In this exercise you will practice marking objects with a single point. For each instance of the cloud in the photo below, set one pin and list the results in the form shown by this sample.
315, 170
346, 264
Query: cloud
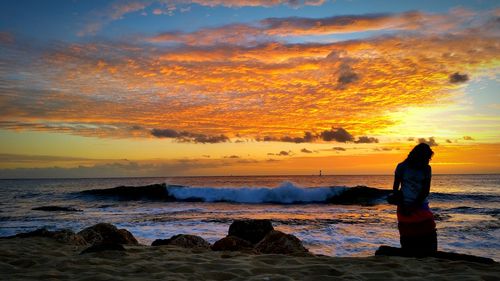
116, 168
111, 89
22, 158
255, 3
117, 10
365, 139
6, 37
459, 78
430, 142
232, 157
279, 28
448, 141
338, 135
305, 150
338, 148
184, 136
469, 138
283, 153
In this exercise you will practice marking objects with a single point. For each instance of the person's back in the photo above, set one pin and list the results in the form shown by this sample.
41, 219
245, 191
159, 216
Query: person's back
413, 182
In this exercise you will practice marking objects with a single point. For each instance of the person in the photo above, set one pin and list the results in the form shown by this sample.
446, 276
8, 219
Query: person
417, 229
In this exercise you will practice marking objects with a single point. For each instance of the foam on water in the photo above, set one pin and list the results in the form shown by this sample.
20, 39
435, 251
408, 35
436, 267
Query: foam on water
286, 193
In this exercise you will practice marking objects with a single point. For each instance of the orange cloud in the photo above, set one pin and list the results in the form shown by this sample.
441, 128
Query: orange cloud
274, 89
267, 29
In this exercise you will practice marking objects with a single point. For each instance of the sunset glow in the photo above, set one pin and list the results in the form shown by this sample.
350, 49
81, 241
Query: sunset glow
213, 87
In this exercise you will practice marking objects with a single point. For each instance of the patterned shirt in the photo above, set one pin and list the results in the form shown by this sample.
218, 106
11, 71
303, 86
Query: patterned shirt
412, 181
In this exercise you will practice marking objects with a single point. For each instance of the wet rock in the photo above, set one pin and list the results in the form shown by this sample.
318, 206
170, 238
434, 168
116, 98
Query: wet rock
184, 241
65, 236
277, 242
232, 243
150, 192
359, 195
103, 247
102, 233
250, 230
56, 209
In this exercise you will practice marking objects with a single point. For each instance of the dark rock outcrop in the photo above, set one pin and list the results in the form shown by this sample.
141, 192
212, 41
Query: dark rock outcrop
56, 209
105, 233
149, 192
359, 195
103, 247
277, 242
64, 236
250, 230
184, 241
392, 251
232, 243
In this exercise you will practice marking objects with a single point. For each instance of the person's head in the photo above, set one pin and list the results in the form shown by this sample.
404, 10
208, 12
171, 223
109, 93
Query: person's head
420, 156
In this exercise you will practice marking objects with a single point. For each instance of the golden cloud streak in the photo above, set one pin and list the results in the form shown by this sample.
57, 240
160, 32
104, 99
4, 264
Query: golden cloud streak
274, 89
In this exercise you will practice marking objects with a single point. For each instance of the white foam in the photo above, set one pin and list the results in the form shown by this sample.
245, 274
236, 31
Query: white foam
286, 193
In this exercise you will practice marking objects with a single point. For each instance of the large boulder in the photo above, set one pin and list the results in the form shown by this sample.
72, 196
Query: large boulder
232, 243
63, 235
105, 233
277, 242
184, 241
250, 230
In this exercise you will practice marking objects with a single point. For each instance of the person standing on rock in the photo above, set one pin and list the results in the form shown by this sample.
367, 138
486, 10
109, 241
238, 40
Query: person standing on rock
416, 225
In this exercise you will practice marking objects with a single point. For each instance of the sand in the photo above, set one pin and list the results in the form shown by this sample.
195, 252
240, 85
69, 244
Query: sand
46, 259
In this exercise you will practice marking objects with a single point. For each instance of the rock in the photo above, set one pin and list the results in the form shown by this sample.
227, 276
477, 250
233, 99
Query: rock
359, 195
64, 236
56, 209
103, 247
103, 233
250, 230
232, 243
184, 241
150, 192
277, 242
392, 251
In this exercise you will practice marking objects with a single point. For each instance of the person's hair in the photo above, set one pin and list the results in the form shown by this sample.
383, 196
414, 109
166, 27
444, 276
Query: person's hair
419, 156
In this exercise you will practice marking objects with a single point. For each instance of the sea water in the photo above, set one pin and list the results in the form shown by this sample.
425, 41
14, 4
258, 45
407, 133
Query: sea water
466, 208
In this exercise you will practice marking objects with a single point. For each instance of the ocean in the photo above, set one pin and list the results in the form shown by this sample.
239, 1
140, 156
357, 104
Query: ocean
466, 208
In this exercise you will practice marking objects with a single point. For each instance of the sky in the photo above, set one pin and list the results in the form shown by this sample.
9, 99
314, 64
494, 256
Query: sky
246, 87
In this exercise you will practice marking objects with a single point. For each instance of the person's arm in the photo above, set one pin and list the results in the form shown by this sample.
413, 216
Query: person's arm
397, 178
397, 182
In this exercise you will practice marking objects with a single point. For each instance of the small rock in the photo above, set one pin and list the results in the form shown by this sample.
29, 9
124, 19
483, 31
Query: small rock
103, 247
184, 241
56, 209
104, 233
63, 235
232, 243
250, 230
277, 242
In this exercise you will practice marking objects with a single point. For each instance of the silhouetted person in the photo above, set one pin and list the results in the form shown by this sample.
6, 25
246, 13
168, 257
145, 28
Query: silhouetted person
417, 229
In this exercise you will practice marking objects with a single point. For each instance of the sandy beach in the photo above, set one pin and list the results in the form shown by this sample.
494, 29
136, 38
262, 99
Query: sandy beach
40, 258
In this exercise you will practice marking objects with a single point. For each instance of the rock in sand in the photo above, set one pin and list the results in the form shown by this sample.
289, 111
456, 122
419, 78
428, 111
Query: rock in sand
184, 241
105, 233
250, 230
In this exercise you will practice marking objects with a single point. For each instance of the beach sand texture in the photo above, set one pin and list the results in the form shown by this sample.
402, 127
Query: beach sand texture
40, 258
